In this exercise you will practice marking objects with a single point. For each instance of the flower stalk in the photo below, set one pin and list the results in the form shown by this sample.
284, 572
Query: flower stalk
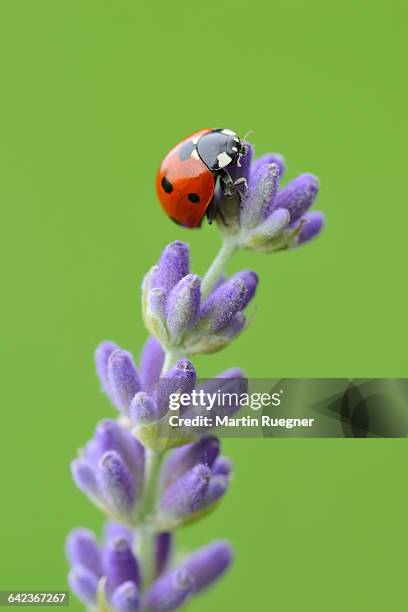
146, 482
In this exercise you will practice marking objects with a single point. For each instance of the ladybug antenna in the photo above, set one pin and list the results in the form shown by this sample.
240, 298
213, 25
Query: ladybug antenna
248, 133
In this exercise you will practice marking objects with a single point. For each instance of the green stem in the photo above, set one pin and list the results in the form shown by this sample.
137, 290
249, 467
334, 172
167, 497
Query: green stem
170, 358
146, 533
228, 248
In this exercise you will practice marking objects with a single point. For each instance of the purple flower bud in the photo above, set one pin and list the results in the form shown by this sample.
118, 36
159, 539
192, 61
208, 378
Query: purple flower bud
298, 196
123, 378
208, 564
261, 195
180, 379
134, 455
187, 494
82, 549
157, 302
120, 564
163, 547
233, 373
269, 158
117, 531
126, 598
169, 592
116, 482
235, 326
83, 583
313, 226
102, 354
222, 279
251, 282
216, 489
107, 436
143, 409
151, 362
183, 306
222, 467
222, 305
173, 265
231, 384
84, 477
110, 436
184, 458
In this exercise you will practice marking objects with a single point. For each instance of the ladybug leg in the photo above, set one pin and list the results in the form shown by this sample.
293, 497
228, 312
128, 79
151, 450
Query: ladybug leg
232, 188
211, 211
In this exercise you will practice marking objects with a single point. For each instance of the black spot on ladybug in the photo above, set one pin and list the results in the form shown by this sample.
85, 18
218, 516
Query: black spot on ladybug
167, 186
186, 149
194, 197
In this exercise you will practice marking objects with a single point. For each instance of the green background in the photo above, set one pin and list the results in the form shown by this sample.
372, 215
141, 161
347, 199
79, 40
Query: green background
93, 94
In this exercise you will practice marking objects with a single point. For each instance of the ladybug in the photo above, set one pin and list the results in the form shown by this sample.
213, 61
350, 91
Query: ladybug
194, 170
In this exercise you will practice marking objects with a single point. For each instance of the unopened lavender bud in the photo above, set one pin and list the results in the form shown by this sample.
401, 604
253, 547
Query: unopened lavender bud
82, 549
123, 378
183, 306
117, 531
157, 303
162, 552
84, 477
220, 307
261, 195
173, 266
120, 565
313, 226
108, 436
180, 379
298, 195
169, 592
143, 409
208, 564
251, 282
83, 583
116, 483
155, 315
234, 327
187, 494
102, 354
151, 362
216, 489
183, 459
134, 455
222, 467
126, 598
262, 236
269, 158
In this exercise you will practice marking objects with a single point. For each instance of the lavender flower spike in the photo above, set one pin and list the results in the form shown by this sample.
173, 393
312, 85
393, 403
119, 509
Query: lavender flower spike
123, 468
269, 219
185, 323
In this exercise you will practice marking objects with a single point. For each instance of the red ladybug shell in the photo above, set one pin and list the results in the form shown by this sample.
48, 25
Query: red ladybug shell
185, 185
